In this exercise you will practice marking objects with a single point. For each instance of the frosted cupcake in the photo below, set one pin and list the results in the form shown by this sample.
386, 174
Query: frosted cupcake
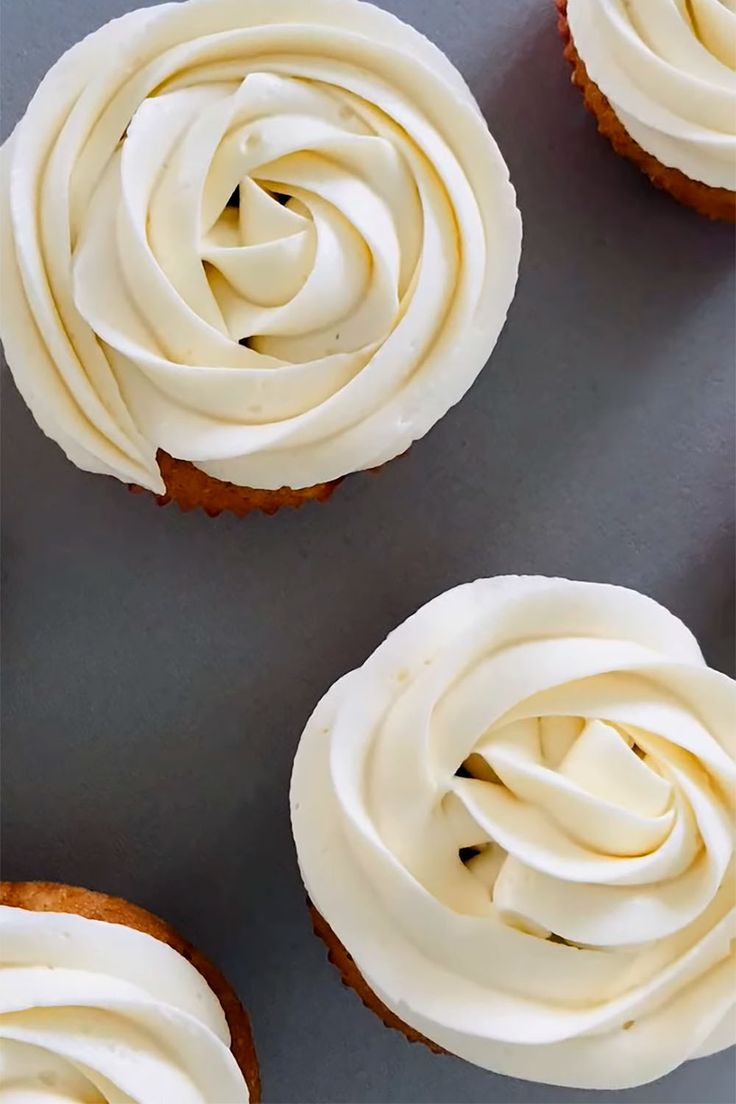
103, 1002
515, 826
660, 78
251, 246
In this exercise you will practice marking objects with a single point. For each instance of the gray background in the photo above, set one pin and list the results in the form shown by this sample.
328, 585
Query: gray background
159, 667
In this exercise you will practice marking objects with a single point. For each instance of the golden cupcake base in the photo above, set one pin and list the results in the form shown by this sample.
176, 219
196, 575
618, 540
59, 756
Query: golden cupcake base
192, 489
353, 979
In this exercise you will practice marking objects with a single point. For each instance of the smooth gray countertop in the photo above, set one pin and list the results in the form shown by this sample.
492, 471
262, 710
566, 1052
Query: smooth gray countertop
159, 667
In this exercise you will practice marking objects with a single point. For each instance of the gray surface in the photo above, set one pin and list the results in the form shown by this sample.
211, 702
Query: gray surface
159, 667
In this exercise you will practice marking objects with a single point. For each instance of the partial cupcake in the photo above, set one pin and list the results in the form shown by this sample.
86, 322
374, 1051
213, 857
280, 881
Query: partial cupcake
515, 824
660, 78
250, 248
103, 1002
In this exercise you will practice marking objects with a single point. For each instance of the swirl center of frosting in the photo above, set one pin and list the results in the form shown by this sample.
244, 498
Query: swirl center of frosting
276, 214
540, 794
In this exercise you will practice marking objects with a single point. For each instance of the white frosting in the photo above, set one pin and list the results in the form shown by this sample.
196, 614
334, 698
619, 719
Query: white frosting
590, 940
97, 1013
370, 301
668, 69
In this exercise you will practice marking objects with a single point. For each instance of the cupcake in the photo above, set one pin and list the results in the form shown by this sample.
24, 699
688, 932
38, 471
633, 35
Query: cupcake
515, 827
101, 1001
660, 78
249, 248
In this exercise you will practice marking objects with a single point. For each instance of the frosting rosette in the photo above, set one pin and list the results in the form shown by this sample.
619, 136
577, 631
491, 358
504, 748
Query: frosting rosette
518, 819
668, 69
96, 1012
272, 238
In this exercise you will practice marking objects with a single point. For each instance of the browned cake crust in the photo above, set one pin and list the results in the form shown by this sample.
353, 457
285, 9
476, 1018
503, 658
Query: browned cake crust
53, 897
192, 489
715, 203
352, 977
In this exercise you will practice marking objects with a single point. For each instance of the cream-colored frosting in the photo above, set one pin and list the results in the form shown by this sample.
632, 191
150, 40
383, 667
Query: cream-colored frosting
570, 740
97, 1013
668, 69
370, 300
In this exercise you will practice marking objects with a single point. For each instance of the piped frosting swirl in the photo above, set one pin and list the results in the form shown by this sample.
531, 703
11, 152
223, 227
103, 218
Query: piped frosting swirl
518, 818
273, 239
